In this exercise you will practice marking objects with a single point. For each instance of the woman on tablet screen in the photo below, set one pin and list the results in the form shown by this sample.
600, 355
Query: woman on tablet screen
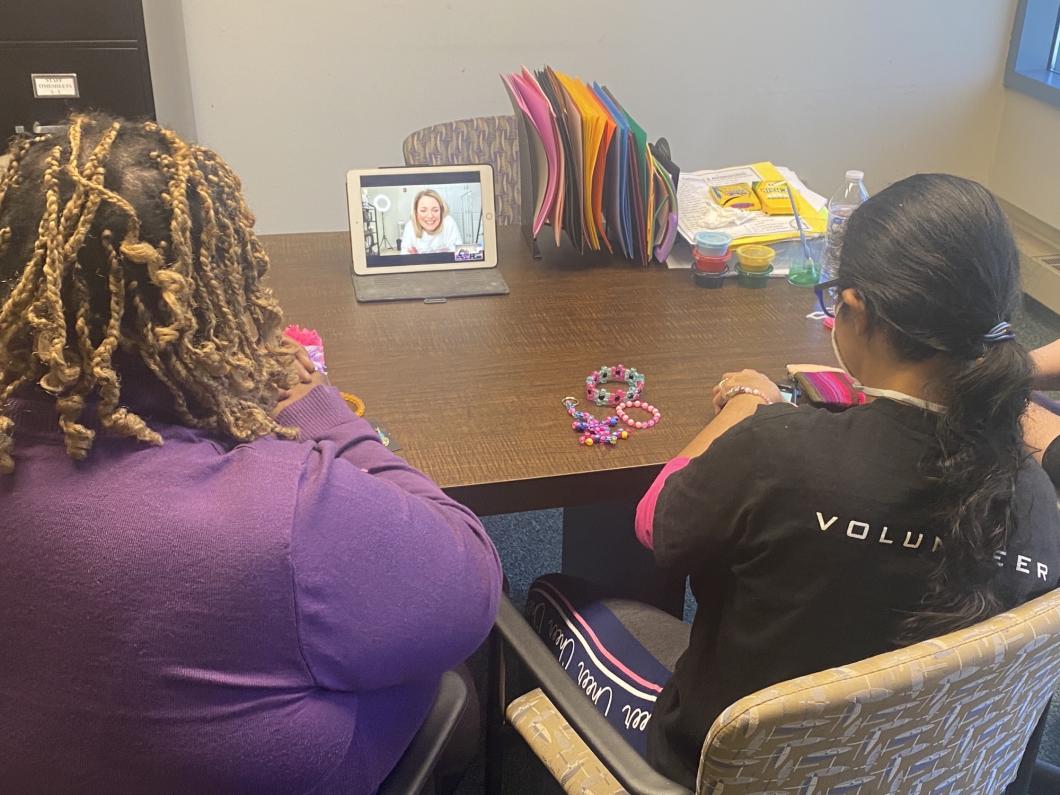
431, 228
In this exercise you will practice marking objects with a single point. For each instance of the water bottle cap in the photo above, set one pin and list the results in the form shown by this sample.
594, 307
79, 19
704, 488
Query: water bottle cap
855, 176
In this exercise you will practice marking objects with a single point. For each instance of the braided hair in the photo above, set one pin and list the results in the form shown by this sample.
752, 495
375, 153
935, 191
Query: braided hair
120, 236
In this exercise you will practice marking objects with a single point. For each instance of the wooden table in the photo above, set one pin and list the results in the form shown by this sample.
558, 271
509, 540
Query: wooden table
472, 388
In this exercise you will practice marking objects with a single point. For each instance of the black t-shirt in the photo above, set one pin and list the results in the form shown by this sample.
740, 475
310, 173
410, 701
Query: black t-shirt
808, 537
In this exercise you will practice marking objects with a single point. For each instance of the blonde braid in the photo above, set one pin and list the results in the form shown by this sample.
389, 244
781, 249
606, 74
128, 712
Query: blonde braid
18, 149
150, 357
49, 318
87, 196
111, 417
84, 205
245, 263
46, 314
238, 352
7, 427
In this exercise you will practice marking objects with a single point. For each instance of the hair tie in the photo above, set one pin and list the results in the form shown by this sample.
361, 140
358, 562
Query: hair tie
1002, 332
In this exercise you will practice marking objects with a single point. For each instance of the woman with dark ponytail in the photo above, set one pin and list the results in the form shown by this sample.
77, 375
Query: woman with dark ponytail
816, 538
933, 265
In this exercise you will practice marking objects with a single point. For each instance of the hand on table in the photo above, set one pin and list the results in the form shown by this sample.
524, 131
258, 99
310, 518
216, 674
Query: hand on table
751, 379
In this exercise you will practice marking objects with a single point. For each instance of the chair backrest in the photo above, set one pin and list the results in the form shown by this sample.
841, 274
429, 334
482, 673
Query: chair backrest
952, 714
487, 139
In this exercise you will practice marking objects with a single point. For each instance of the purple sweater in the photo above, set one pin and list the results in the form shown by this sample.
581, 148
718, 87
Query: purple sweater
207, 617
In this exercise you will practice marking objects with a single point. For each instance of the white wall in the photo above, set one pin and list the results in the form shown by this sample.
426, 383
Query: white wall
294, 94
1026, 168
167, 52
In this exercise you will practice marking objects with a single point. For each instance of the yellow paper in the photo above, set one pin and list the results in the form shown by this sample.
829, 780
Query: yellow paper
593, 127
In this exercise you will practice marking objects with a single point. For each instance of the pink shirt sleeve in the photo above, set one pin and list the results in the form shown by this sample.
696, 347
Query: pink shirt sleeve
646, 506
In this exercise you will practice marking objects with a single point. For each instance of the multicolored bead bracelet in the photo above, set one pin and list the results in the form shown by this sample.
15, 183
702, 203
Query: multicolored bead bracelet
643, 405
608, 375
591, 429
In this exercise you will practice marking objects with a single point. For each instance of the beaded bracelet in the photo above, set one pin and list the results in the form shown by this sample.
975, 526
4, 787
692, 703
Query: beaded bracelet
643, 405
353, 402
591, 429
733, 391
610, 375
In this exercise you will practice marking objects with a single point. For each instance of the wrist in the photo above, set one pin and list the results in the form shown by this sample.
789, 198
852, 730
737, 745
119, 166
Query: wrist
747, 394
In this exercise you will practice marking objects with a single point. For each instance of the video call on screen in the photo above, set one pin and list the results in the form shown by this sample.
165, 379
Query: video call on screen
412, 219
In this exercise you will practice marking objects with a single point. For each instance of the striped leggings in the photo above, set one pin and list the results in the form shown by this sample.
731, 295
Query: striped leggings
620, 652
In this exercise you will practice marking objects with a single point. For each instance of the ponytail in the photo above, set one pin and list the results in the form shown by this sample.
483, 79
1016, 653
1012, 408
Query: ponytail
933, 258
979, 455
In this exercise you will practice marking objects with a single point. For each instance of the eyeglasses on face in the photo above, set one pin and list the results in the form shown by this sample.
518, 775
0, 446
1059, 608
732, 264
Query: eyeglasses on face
822, 289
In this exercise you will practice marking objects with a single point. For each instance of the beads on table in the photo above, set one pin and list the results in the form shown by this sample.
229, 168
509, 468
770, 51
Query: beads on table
608, 375
593, 430
624, 418
610, 430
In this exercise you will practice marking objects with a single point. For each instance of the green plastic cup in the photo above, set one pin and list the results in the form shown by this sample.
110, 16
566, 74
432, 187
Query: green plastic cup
803, 272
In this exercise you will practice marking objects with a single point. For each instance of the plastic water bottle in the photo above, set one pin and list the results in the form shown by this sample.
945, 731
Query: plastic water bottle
840, 207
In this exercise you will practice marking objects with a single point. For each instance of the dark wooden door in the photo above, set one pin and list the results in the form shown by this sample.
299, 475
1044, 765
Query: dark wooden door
101, 43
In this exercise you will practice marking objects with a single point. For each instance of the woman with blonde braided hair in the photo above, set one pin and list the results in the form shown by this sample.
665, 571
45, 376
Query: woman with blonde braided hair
207, 555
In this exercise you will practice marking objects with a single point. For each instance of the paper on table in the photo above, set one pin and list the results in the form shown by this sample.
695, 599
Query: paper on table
561, 188
538, 158
816, 200
609, 127
612, 194
619, 181
639, 176
643, 170
729, 176
540, 113
665, 213
569, 214
699, 212
649, 208
574, 130
592, 136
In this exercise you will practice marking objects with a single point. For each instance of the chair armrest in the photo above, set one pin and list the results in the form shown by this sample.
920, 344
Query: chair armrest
624, 763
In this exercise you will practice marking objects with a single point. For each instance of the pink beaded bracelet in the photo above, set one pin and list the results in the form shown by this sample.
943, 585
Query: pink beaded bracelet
643, 405
733, 391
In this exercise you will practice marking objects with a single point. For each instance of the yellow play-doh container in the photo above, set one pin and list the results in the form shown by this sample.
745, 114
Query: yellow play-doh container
755, 258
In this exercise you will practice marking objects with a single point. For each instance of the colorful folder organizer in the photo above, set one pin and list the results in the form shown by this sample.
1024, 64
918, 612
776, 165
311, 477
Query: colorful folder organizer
588, 169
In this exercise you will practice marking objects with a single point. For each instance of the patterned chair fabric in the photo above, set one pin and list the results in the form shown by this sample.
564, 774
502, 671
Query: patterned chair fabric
570, 761
487, 139
949, 715
952, 714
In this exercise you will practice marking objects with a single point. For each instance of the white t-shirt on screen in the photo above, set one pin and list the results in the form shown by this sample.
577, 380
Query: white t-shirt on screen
447, 238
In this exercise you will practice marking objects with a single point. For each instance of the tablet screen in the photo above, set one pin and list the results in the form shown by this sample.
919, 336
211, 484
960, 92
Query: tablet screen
419, 218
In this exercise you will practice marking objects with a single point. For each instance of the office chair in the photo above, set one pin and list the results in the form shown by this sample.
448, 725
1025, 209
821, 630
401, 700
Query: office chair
487, 139
951, 714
